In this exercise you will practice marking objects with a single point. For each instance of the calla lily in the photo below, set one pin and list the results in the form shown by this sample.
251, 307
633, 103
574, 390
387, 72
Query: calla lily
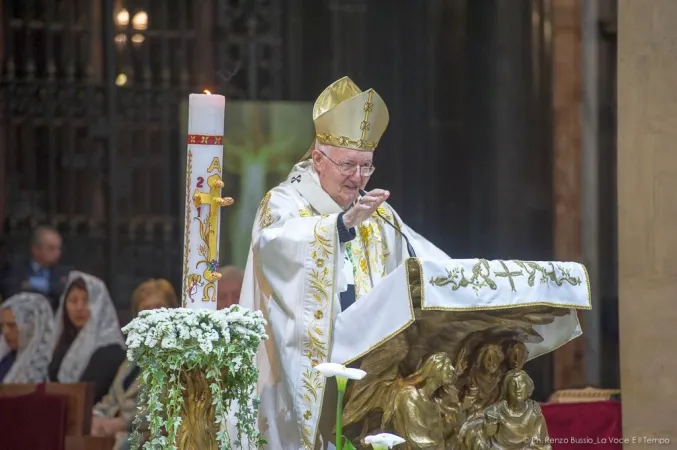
333, 369
342, 374
383, 441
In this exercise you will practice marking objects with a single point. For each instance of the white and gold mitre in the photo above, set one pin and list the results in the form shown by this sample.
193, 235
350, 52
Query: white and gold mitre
344, 116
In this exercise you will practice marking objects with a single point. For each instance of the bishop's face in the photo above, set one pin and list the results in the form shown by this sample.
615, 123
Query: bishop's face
340, 172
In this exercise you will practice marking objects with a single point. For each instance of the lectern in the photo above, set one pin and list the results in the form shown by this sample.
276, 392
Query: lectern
444, 342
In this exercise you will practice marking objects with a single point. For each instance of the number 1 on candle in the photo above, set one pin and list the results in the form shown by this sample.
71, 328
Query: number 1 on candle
199, 184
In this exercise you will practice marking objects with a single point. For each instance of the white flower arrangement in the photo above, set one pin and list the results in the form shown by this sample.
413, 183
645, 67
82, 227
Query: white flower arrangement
217, 347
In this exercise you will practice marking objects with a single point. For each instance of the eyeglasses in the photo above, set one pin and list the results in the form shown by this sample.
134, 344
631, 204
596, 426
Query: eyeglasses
349, 169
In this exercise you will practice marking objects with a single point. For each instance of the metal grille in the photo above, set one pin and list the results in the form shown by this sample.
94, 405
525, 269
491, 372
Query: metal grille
90, 120
53, 100
249, 49
153, 70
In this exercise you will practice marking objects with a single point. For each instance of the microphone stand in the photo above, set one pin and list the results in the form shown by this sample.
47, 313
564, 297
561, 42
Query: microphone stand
410, 249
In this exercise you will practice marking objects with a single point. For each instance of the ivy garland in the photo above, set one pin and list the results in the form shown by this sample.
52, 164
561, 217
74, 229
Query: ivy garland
173, 347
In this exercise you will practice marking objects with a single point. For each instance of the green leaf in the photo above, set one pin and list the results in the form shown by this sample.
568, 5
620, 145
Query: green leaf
347, 445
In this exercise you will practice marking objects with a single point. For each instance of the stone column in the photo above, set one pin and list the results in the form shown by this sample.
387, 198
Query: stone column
567, 101
647, 218
590, 186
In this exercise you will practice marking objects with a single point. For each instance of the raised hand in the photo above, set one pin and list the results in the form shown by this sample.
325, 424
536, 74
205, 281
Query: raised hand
364, 207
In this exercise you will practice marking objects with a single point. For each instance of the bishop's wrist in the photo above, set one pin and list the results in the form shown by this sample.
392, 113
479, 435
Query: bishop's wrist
346, 234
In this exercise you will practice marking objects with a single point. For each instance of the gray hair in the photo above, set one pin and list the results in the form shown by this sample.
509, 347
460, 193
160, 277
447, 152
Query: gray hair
324, 148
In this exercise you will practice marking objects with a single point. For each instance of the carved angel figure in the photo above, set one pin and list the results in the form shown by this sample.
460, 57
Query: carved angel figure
415, 411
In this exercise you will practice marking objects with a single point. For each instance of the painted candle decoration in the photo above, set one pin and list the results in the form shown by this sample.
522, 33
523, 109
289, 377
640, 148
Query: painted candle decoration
203, 200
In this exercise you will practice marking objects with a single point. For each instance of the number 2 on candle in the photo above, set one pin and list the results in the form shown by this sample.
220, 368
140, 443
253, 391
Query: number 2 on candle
200, 183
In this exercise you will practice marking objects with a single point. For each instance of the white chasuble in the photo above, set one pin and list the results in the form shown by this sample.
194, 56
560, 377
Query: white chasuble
295, 273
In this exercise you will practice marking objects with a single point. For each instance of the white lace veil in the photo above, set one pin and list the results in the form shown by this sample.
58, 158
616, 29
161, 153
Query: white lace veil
35, 321
102, 329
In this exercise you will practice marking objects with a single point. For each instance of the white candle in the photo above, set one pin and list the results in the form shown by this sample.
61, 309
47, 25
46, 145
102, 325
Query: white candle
203, 200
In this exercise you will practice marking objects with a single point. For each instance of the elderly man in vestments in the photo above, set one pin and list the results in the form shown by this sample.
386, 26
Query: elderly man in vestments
319, 244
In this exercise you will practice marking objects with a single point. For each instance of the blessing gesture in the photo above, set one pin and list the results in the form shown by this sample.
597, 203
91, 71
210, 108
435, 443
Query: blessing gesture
364, 207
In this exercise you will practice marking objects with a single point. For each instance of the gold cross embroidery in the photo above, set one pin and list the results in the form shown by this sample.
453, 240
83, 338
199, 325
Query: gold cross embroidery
368, 108
508, 274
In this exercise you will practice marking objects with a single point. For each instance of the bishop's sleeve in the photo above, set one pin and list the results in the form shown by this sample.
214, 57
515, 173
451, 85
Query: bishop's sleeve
290, 249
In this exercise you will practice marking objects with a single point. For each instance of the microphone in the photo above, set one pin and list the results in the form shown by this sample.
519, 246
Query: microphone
410, 249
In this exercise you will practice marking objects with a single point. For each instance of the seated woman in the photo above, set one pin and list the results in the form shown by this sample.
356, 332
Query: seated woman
27, 322
114, 415
88, 343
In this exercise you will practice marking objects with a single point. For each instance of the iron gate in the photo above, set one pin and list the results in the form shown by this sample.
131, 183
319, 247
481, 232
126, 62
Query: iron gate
90, 120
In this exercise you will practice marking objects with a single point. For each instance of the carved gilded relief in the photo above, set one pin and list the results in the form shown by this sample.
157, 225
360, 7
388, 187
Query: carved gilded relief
453, 381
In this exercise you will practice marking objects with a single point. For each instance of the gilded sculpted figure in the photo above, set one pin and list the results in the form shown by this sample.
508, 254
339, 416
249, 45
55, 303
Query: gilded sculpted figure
483, 384
418, 411
469, 394
515, 422
515, 354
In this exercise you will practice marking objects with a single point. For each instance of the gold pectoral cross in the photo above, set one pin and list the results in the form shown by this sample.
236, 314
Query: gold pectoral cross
208, 249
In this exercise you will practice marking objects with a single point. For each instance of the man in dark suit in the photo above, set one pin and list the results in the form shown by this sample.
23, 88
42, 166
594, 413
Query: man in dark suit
42, 273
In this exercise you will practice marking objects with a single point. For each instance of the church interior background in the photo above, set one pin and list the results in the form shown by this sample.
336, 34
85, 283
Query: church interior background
482, 155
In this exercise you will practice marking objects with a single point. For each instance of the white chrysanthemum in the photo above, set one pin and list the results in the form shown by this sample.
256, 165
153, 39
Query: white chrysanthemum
190, 330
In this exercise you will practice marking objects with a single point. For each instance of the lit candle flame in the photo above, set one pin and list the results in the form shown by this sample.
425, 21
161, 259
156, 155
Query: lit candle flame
207, 92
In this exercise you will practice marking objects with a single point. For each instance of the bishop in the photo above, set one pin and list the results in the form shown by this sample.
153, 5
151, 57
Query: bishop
319, 244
